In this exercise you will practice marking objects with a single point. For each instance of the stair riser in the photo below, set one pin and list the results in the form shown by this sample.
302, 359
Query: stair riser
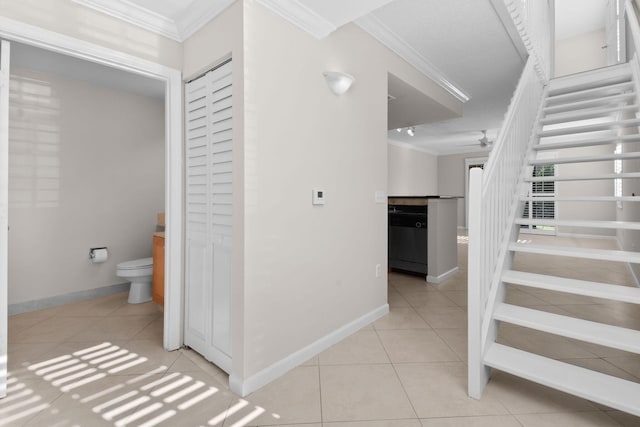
604, 113
588, 94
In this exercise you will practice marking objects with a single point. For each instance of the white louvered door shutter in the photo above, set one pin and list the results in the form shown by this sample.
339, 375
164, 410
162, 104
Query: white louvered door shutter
209, 194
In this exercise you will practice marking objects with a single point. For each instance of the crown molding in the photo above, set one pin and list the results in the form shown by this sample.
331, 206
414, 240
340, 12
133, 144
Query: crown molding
135, 15
198, 15
301, 16
384, 35
179, 29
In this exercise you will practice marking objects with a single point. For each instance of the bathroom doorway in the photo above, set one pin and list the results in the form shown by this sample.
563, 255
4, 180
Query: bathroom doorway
171, 79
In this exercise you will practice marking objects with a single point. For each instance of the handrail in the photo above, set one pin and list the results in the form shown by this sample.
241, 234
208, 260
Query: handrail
533, 21
494, 203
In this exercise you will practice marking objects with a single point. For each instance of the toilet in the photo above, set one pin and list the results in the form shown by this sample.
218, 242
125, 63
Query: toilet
138, 272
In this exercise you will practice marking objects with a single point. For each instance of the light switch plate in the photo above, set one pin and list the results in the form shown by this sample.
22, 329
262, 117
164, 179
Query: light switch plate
380, 196
318, 197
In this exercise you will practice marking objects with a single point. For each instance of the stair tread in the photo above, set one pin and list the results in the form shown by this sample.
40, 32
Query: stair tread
583, 177
589, 128
573, 286
585, 159
595, 386
570, 327
581, 94
586, 114
618, 225
582, 199
588, 253
607, 74
588, 142
555, 109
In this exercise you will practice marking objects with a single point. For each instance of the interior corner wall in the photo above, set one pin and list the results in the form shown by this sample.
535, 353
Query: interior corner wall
75, 20
411, 172
580, 53
311, 270
451, 176
86, 169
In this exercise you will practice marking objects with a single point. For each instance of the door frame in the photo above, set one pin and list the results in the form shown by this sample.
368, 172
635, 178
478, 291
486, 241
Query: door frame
12, 30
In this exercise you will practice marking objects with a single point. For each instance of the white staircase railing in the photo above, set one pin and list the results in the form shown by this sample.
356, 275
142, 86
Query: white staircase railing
534, 23
493, 205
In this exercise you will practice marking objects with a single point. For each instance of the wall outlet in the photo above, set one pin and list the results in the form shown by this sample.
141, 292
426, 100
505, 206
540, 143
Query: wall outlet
378, 270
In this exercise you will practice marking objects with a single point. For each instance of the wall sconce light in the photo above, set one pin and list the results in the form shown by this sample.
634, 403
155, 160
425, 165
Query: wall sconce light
338, 82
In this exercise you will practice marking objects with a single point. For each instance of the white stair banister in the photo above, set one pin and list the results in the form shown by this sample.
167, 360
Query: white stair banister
493, 206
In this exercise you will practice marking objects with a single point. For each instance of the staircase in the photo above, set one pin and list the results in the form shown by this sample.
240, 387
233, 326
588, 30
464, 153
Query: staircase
597, 108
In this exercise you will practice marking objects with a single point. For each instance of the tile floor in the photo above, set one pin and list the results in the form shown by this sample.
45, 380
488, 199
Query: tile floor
100, 362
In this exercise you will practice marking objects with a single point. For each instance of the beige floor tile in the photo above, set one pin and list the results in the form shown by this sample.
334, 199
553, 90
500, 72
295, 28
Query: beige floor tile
415, 346
520, 396
485, 421
401, 318
26, 400
574, 419
386, 423
630, 364
456, 339
439, 390
624, 419
291, 399
138, 309
114, 328
363, 392
156, 355
458, 297
444, 317
361, 347
396, 299
604, 366
519, 297
55, 329
544, 344
152, 331
429, 299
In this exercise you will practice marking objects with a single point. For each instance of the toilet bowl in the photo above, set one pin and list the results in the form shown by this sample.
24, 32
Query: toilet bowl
138, 272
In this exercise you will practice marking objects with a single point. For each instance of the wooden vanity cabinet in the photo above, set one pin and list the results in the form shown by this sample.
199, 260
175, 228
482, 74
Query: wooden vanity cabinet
157, 284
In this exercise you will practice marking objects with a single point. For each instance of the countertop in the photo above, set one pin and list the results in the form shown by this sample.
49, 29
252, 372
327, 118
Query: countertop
416, 200
159, 234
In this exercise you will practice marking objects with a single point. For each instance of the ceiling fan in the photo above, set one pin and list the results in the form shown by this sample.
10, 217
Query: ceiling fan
484, 141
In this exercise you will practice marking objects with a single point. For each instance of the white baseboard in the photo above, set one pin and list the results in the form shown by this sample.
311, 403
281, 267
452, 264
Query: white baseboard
27, 306
248, 385
444, 276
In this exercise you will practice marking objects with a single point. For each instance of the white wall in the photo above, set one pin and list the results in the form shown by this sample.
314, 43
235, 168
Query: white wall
411, 172
86, 168
72, 19
580, 53
310, 270
451, 176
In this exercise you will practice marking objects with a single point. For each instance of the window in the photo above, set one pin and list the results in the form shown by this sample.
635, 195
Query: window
541, 209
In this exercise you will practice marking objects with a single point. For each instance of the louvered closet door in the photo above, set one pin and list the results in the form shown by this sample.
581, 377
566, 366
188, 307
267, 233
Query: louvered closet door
209, 212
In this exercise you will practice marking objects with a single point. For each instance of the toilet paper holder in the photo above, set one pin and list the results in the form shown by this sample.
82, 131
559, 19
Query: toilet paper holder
97, 255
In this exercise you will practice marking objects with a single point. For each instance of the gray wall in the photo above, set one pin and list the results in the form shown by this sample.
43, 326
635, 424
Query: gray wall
86, 168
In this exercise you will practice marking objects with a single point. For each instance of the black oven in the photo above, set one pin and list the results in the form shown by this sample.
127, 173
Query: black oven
408, 238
